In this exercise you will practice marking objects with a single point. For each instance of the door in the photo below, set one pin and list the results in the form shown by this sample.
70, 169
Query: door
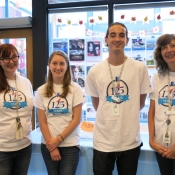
24, 37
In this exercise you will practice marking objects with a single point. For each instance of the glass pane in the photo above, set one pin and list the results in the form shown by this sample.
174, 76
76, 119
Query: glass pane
67, 1
1, 41
2, 9
16, 8
144, 27
20, 44
81, 36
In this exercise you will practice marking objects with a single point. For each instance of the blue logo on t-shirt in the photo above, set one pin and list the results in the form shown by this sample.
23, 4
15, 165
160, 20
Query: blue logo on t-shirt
120, 93
58, 105
14, 99
163, 95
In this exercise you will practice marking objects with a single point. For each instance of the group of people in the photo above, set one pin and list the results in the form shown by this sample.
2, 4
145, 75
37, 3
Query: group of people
118, 87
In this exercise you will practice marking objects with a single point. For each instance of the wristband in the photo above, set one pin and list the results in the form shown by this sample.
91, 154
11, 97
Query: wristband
58, 139
61, 137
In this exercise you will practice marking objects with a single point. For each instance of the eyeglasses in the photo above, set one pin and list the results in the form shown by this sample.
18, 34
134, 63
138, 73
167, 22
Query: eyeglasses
7, 59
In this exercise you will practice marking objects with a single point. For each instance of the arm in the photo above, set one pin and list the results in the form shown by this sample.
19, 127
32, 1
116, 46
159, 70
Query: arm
46, 134
75, 121
151, 126
43, 124
95, 102
53, 142
142, 100
170, 153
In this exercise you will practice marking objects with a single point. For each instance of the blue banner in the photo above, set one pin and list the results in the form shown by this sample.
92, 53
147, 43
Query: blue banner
59, 111
121, 97
165, 101
13, 104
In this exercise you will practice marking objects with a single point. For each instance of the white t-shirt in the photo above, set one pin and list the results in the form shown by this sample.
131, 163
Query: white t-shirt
59, 111
8, 114
111, 132
160, 86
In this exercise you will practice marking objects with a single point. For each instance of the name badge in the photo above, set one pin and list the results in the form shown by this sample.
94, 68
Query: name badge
167, 137
116, 110
170, 112
19, 133
19, 129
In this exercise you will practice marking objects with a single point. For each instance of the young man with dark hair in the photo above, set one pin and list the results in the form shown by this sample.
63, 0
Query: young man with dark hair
118, 87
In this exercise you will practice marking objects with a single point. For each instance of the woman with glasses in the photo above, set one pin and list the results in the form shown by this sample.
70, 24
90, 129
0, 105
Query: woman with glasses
59, 106
16, 104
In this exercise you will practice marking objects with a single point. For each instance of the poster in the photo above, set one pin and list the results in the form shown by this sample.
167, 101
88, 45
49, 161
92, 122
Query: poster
138, 43
78, 74
149, 58
128, 49
88, 67
151, 42
94, 49
60, 44
90, 113
139, 55
76, 49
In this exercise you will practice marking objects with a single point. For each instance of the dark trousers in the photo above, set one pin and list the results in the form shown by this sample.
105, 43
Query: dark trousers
126, 161
166, 166
15, 162
68, 163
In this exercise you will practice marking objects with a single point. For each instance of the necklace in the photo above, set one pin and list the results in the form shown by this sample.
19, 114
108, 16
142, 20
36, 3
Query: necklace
18, 121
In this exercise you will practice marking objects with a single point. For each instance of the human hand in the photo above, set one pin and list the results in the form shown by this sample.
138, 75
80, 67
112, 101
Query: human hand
158, 148
55, 155
170, 153
52, 144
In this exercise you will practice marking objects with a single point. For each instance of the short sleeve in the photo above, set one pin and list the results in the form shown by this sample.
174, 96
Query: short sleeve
30, 87
78, 96
38, 101
152, 94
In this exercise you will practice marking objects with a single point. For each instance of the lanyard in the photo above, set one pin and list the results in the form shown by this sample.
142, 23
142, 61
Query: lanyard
170, 99
118, 83
17, 105
168, 121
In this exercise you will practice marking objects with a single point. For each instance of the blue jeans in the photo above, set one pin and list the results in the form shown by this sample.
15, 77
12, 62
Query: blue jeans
68, 163
127, 161
15, 162
166, 166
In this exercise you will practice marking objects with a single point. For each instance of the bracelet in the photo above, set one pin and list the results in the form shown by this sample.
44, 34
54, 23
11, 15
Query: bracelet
58, 139
61, 137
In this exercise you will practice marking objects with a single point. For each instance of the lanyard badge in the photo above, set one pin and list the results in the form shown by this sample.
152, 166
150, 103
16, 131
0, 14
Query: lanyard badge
167, 133
19, 129
116, 107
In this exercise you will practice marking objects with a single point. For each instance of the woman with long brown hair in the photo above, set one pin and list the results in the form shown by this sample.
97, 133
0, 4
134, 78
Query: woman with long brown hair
59, 106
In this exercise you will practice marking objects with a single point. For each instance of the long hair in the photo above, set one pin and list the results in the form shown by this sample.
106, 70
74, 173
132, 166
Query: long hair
5, 51
48, 91
163, 40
